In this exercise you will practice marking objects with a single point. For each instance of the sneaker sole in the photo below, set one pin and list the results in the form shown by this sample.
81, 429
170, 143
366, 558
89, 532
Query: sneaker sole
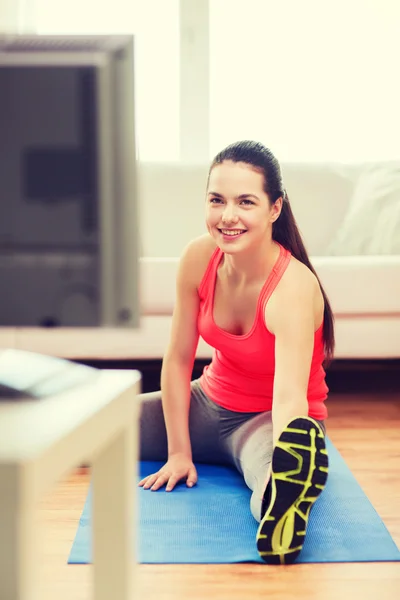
298, 476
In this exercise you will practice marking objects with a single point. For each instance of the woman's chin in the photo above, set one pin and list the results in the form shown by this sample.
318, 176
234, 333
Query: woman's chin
233, 247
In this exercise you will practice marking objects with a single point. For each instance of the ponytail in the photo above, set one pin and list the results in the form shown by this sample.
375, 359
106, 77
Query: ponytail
285, 231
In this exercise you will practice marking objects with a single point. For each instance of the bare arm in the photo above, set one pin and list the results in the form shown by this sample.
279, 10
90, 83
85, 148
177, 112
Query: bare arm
176, 374
291, 319
179, 358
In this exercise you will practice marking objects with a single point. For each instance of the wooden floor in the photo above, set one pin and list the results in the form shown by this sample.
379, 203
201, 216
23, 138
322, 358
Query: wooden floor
367, 433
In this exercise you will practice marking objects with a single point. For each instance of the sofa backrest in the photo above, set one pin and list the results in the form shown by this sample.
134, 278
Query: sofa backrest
172, 197
356, 285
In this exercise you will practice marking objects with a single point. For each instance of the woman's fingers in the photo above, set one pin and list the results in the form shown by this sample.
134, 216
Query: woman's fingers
143, 481
160, 481
154, 481
148, 481
192, 477
172, 481
157, 480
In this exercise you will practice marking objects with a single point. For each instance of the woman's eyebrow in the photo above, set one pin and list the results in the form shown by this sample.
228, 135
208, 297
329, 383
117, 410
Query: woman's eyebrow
237, 197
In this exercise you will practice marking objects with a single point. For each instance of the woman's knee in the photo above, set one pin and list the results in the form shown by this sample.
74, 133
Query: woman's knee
256, 503
152, 431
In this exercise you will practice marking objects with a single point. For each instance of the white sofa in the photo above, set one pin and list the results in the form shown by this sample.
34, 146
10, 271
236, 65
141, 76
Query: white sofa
364, 289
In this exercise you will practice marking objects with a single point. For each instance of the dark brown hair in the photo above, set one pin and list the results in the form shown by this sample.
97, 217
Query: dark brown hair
284, 230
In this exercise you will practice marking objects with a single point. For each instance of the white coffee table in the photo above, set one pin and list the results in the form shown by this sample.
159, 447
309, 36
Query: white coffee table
40, 441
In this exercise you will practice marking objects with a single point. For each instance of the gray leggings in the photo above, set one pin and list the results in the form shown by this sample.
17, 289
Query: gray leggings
217, 435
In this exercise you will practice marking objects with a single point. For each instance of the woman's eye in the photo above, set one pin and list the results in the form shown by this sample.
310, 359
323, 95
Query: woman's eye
219, 200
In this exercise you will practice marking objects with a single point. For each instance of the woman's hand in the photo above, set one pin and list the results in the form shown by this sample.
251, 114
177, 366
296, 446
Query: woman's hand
178, 466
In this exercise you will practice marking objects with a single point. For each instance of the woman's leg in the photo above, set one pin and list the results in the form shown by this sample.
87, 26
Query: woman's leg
203, 428
250, 449
299, 472
298, 476
152, 433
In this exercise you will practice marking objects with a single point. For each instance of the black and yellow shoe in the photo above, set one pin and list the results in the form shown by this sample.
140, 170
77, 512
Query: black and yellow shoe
298, 476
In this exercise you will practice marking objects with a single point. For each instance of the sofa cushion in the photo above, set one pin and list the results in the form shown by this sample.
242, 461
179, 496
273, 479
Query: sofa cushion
360, 285
372, 223
158, 285
319, 195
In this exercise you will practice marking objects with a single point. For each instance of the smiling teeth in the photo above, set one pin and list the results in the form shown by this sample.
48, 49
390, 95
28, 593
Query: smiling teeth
232, 231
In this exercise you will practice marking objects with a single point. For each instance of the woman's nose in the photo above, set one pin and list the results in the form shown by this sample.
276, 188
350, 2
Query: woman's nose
229, 216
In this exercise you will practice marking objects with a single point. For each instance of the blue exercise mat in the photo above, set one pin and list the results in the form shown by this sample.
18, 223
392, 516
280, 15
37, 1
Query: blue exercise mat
212, 523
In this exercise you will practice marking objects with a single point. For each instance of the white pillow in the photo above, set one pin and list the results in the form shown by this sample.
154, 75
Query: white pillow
372, 224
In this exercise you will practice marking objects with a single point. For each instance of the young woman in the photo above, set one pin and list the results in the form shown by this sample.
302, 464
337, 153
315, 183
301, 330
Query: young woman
248, 288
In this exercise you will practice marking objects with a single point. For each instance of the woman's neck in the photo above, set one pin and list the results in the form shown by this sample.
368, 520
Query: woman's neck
251, 265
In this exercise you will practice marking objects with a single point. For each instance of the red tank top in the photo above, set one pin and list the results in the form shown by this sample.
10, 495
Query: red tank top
241, 374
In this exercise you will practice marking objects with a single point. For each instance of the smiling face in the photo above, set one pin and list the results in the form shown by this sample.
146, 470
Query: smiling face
238, 211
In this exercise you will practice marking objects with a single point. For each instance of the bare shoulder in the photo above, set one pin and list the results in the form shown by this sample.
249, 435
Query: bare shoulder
298, 292
298, 279
195, 258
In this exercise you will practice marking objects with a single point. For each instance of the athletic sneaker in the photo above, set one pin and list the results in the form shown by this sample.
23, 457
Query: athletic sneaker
298, 476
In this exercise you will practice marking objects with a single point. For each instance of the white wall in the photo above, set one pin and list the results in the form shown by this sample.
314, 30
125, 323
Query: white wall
17, 16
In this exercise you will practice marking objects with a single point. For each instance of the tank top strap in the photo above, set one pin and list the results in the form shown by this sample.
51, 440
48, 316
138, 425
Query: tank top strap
277, 271
210, 272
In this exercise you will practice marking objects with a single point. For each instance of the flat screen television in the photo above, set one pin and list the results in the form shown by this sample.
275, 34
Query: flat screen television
69, 230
